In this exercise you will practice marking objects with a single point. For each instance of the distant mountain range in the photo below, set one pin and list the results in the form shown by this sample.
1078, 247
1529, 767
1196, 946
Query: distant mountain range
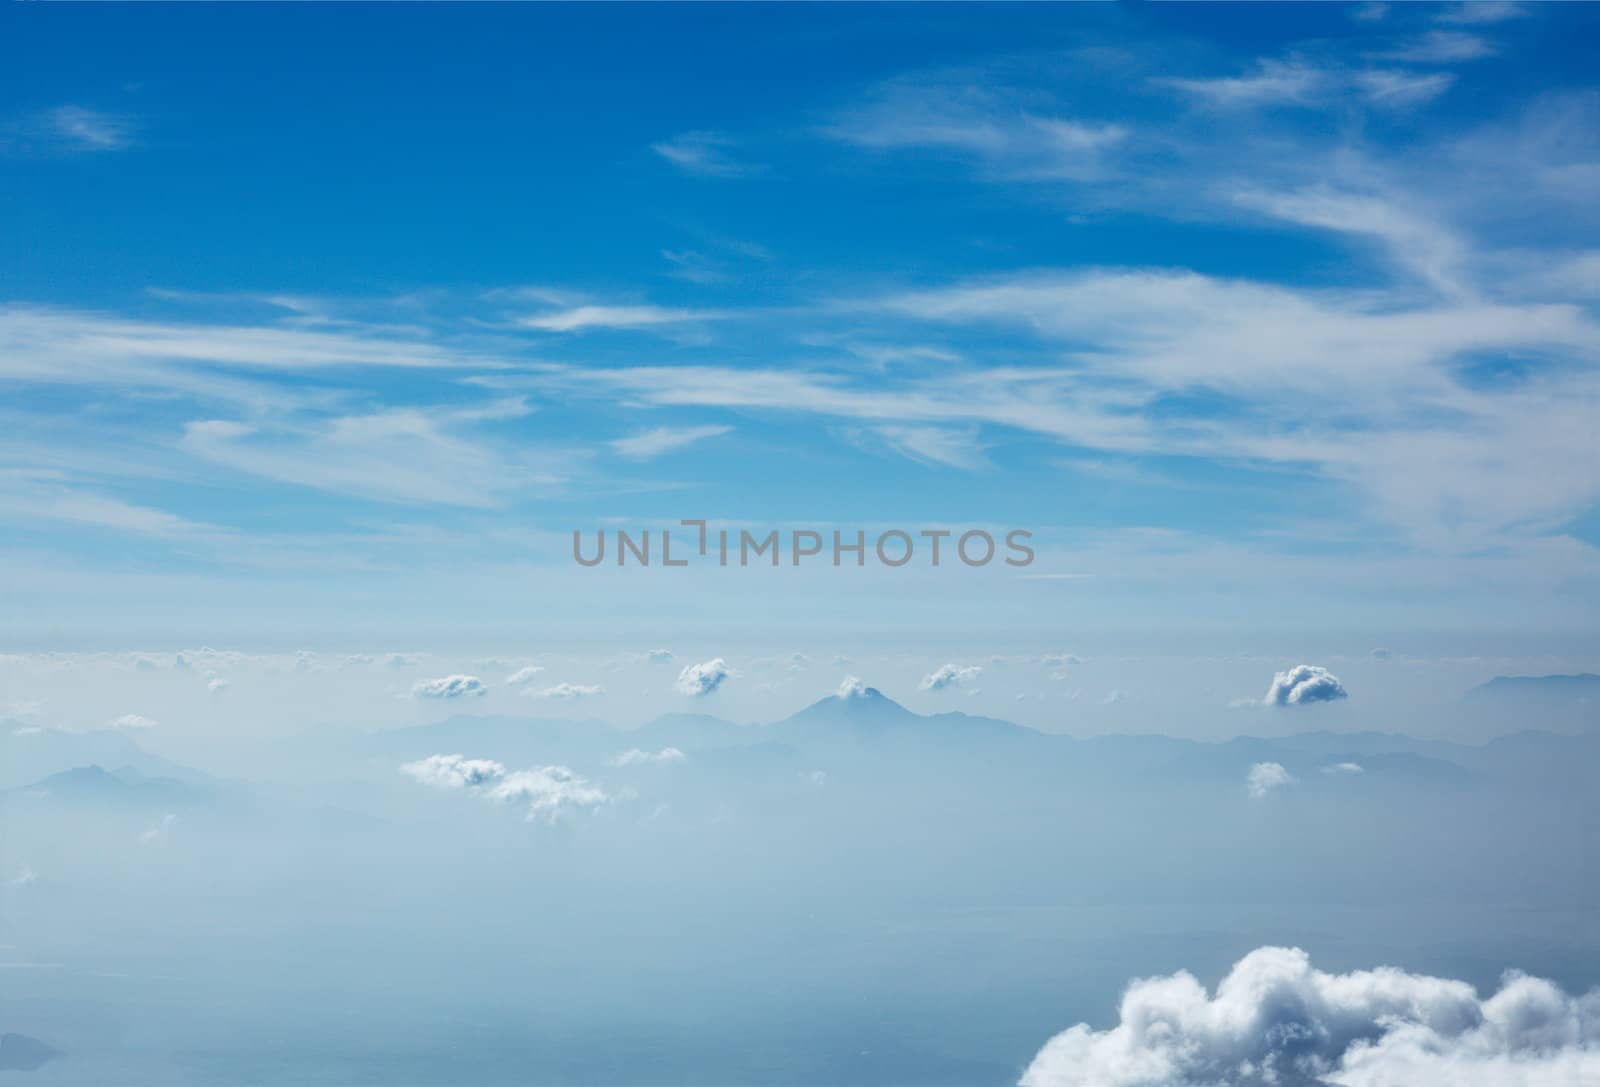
1583, 686
28, 754
863, 727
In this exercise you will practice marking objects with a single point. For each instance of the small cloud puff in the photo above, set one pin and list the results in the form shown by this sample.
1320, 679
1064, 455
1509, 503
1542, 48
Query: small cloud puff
449, 687
1302, 685
1265, 777
547, 791
659, 655
949, 675
523, 675
158, 833
132, 720
851, 687
1382, 654
1276, 1020
1344, 768
635, 756
566, 691
704, 678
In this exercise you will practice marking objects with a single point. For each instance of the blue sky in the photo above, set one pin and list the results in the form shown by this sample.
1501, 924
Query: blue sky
1276, 326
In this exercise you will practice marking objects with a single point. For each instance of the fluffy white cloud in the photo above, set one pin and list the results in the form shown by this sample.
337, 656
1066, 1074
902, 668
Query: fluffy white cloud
949, 675
547, 791
851, 687
454, 771
1265, 777
1276, 1020
703, 678
1304, 683
133, 720
634, 756
457, 686
566, 691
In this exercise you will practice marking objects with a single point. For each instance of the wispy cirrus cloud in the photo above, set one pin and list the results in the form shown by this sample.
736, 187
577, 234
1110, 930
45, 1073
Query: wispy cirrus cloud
66, 130
961, 116
659, 441
706, 154
589, 317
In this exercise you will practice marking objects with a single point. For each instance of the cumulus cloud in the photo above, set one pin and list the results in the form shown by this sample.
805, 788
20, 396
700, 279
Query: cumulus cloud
704, 678
1382, 654
1265, 777
635, 756
659, 655
1303, 684
949, 675
851, 687
1277, 1020
566, 691
457, 686
216, 685
546, 791
523, 675
133, 720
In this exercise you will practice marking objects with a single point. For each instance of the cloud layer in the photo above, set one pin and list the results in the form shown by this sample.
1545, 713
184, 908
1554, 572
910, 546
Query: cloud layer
1276, 1020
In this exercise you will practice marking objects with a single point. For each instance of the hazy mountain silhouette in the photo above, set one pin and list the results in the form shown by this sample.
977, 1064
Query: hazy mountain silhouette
20, 1053
28, 754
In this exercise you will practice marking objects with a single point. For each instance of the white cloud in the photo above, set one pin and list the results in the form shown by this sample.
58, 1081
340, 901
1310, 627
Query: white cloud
216, 685
132, 720
659, 656
664, 439
454, 771
703, 678
1264, 777
851, 687
1302, 84
411, 455
523, 675
76, 128
158, 833
1302, 685
974, 121
456, 686
1276, 1020
1440, 47
635, 756
546, 791
936, 445
566, 691
1483, 12
1342, 768
705, 154
1382, 654
585, 317
1274, 82
949, 675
